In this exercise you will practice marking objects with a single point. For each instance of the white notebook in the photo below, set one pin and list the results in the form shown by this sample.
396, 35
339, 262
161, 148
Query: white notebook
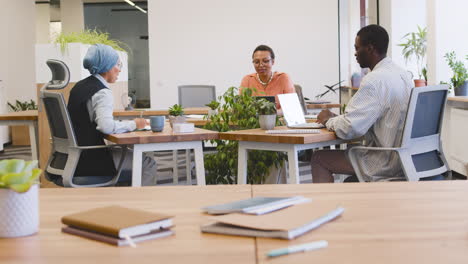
256, 205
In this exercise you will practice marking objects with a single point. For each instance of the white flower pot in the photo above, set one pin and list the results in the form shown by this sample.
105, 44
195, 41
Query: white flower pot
176, 119
212, 112
267, 122
19, 212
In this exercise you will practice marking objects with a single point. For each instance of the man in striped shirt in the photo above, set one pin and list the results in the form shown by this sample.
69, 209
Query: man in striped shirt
377, 111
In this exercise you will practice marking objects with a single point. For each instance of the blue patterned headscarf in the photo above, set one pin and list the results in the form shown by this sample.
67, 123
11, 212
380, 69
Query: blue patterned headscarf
100, 58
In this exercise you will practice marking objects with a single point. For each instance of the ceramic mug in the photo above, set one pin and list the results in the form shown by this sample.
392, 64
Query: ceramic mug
157, 123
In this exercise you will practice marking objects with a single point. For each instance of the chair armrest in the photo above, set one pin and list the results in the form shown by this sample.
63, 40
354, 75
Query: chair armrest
372, 148
101, 147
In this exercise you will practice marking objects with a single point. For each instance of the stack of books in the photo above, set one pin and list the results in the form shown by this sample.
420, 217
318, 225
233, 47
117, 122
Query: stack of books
118, 225
275, 217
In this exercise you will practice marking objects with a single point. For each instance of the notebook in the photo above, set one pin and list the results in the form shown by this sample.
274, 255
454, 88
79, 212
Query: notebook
117, 221
288, 223
257, 205
292, 112
114, 240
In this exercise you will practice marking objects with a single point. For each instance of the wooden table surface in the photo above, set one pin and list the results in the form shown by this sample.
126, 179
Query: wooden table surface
322, 106
259, 135
188, 245
23, 115
390, 222
151, 112
458, 98
144, 137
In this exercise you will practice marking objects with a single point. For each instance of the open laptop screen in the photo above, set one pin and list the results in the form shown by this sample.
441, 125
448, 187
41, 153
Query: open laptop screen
292, 110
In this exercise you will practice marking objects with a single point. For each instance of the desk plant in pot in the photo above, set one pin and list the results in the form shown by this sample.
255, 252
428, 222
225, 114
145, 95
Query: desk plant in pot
213, 105
237, 111
415, 47
176, 114
266, 114
19, 199
460, 74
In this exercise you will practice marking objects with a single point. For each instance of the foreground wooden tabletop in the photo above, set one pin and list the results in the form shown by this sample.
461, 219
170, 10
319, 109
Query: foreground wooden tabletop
188, 245
390, 222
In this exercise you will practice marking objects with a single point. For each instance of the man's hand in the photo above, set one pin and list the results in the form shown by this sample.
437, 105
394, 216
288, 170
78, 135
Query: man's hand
140, 123
323, 117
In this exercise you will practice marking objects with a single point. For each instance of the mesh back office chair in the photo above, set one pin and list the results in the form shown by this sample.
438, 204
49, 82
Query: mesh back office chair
298, 89
65, 151
196, 95
420, 152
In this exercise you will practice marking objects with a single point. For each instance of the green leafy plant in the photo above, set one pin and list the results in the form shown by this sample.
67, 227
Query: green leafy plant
213, 105
23, 106
237, 112
415, 46
460, 74
265, 107
18, 175
89, 37
176, 110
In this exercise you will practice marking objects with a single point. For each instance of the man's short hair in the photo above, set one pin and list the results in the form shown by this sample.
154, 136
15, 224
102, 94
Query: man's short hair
375, 35
264, 48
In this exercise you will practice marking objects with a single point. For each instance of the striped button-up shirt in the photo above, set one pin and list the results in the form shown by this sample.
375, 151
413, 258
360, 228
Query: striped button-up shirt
377, 111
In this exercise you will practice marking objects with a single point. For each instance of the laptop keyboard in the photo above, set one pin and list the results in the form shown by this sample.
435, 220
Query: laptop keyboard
294, 131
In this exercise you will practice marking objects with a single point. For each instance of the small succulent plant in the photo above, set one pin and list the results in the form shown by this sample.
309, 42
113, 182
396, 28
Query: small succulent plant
18, 175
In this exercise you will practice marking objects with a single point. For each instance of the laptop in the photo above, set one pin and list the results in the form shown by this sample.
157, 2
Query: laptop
292, 112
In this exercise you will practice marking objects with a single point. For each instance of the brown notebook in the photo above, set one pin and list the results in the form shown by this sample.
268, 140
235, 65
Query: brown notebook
287, 223
115, 240
118, 221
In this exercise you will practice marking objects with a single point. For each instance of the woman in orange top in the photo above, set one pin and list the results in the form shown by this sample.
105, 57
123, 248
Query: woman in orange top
267, 82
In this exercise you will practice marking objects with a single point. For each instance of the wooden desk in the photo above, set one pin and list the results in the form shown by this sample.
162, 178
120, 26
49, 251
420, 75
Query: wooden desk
122, 114
390, 222
322, 106
28, 118
165, 140
188, 245
290, 143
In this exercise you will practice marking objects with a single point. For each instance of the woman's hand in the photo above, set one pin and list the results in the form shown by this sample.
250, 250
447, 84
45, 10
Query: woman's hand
140, 123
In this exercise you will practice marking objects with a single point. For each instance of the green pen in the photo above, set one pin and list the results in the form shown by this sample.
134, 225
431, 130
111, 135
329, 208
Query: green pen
298, 248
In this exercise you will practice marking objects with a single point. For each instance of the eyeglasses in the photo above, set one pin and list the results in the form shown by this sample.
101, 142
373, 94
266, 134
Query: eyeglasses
119, 65
264, 62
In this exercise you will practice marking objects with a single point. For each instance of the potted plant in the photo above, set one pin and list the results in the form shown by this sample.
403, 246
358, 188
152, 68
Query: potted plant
415, 47
460, 74
176, 114
19, 200
238, 111
213, 105
266, 114
20, 134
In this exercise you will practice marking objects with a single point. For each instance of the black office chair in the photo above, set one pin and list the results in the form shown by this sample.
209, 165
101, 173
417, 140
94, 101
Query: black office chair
65, 152
420, 152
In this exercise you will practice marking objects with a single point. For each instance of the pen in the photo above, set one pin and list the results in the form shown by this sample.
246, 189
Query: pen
298, 248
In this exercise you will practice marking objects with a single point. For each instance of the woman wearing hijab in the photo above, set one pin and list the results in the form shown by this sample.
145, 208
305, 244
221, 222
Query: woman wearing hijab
90, 106
265, 80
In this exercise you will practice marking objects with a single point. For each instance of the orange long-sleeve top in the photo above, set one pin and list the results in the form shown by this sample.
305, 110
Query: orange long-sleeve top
280, 84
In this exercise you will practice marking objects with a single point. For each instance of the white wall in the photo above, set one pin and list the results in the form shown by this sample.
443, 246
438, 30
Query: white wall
400, 17
211, 42
42, 22
449, 24
17, 28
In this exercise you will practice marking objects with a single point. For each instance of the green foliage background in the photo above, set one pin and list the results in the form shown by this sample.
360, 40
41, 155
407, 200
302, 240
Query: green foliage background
237, 112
